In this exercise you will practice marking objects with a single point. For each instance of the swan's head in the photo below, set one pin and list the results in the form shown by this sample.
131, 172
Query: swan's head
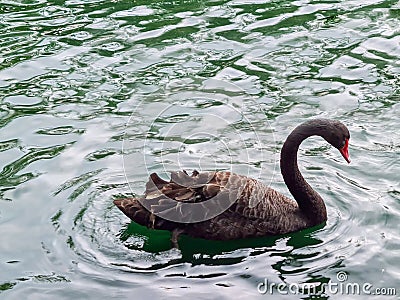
338, 136
334, 132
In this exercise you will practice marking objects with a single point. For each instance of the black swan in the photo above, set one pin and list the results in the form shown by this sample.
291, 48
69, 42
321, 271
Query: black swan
225, 206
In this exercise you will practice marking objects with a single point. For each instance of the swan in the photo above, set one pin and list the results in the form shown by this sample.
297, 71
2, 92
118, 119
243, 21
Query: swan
222, 205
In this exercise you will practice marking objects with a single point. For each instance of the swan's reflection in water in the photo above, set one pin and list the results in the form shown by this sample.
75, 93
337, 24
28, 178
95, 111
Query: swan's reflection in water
299, 258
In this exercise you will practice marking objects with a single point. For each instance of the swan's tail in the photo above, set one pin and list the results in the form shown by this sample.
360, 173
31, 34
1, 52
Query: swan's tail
143, 210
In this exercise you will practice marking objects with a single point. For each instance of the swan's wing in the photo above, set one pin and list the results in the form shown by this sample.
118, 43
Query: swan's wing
188, 198
258, 201
202, 196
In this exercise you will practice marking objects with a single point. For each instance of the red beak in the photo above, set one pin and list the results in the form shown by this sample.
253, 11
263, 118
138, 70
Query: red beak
345, 151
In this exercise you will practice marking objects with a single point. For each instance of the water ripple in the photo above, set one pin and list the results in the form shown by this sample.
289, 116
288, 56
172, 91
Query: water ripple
74, 74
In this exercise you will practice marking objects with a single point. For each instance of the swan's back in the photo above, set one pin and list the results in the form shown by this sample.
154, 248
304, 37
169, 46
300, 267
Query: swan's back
214, 205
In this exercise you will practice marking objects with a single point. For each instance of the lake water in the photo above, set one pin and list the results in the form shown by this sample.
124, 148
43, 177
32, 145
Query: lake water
95, 95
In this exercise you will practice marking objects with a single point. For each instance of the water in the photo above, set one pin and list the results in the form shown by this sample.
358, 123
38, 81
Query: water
93, 91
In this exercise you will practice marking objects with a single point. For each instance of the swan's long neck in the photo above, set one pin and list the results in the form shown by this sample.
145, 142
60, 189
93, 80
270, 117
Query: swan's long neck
309, 201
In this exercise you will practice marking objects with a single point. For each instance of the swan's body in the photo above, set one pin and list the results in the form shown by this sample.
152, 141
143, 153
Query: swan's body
225, 206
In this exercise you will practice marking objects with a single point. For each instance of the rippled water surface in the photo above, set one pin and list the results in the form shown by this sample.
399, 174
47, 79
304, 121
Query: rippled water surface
95, 95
